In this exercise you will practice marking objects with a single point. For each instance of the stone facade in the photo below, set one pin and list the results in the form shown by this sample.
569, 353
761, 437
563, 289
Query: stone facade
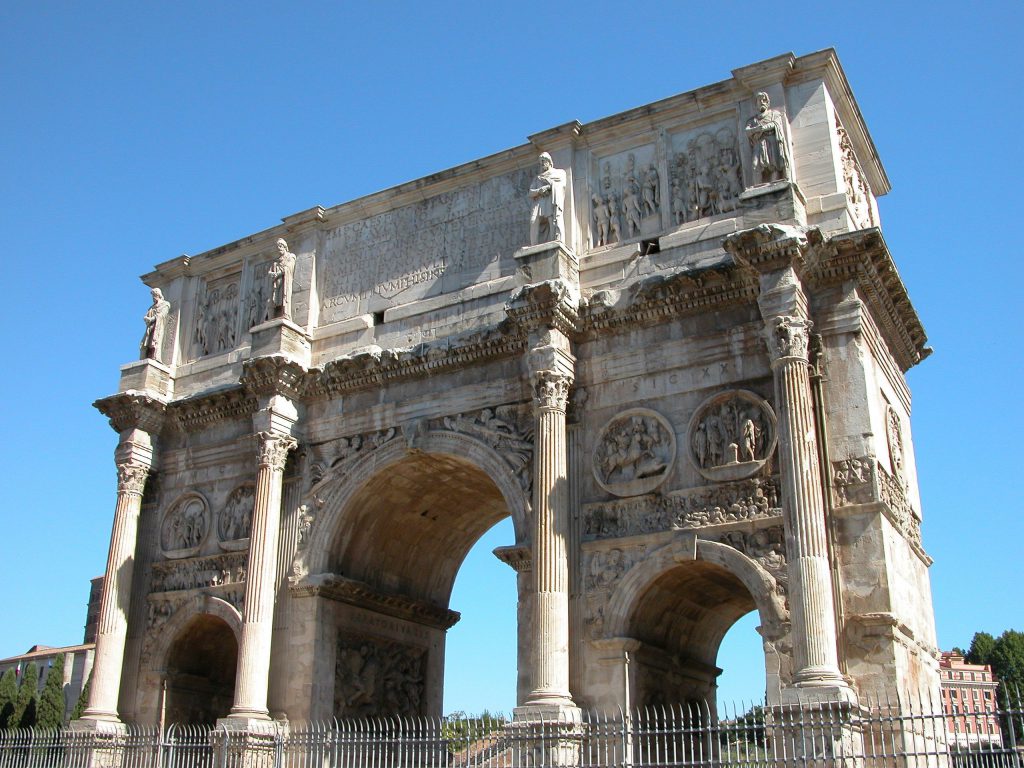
690, 400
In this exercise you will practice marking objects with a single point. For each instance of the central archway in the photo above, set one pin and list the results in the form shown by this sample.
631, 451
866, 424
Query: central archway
395, 529
200, 676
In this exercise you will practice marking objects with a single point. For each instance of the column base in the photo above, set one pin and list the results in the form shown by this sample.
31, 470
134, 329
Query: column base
245, 742
819, 691
98, 742
552, 734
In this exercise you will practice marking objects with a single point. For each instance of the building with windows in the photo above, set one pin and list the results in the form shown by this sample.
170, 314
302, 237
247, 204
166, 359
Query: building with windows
969, 700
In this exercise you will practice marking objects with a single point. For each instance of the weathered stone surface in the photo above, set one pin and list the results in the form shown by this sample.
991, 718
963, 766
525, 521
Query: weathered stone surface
685, 385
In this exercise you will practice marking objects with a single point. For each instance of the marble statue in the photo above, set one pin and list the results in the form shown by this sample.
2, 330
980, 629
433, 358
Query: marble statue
156, 324
767, 136
281, 272
547, 193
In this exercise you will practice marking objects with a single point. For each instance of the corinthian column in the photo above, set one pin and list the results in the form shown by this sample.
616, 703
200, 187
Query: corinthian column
815, 656
550, 559
117, 588
261, 573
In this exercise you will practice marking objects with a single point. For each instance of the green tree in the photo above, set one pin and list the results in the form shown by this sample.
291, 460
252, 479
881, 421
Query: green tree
981, 649
28, 694
83, 701
1007, 660
8, 697
51, 700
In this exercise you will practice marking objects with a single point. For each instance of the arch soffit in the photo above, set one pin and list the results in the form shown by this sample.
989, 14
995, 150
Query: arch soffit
333, 494
761, 584
198, 605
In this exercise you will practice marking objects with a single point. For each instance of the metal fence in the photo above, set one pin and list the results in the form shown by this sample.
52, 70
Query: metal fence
868, 735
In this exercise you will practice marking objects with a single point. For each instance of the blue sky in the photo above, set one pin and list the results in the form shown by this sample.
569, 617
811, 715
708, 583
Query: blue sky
138, 131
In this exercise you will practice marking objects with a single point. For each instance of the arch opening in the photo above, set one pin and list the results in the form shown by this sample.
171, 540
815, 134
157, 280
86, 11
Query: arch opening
200, 672
403, 536
680, 620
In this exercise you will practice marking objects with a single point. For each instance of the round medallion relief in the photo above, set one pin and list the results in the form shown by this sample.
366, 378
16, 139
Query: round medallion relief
634, 453
185, 526
235, 519
731, 435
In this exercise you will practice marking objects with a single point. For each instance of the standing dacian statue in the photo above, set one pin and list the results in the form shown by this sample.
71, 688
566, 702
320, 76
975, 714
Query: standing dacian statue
281, 272
547, 195
156, 324
767, 136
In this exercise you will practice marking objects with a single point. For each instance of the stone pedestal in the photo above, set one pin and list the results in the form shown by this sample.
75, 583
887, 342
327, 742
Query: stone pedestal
258, 612
281, 337
246, 743
780, 201
147, 376
547, 261
98, 743
549, 735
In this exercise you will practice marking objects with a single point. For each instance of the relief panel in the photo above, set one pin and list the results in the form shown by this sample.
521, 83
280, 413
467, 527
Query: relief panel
215, 328
626, 198
705, 175
374, 676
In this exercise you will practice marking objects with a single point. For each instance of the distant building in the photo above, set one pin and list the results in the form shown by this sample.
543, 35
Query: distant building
78, 659
969, 700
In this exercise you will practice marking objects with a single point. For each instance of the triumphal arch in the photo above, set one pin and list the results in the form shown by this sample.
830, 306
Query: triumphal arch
669, 344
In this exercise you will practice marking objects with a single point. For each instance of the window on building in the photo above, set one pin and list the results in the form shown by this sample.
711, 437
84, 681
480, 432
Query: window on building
988, 695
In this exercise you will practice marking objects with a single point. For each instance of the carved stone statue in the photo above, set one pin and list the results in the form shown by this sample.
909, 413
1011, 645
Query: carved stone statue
156, 324
281, 272
547, 194
767, 136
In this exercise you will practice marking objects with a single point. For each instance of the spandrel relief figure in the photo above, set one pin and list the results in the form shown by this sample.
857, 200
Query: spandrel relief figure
156, 325
547, 197
281, 274
769, 157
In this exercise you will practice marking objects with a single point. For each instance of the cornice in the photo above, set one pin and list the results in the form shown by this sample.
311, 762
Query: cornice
768, 247
358, 593
864, 257
661, 297
197, 412
549, 304
133, 410
376, 367
273, 375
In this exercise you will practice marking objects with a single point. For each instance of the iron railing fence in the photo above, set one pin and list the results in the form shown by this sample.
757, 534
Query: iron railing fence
872, 734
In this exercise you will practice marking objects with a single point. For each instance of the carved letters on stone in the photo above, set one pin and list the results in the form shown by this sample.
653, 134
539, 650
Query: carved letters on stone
198, 573
374, 677
705, 176
235, 520
185, 526
635, 452
732, 435
720, 504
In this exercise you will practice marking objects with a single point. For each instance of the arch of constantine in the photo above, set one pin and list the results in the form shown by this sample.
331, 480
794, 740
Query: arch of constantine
670, 345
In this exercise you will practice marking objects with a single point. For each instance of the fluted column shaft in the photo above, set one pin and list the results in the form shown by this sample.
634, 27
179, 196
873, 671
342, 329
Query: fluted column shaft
253, 674
550, 558
815, 655
117, 587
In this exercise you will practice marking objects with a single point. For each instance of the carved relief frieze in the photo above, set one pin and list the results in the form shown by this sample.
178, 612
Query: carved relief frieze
894, 497
216, 317
508, 429
594, 615
235, 519
606, 567
853, 481
334, 453
160, 610
257, 303
894, 438
705, 174
185, 525
200, 572
375, 676
858, 193
722, 504
627, 201
766, 546
635, 452
732, 435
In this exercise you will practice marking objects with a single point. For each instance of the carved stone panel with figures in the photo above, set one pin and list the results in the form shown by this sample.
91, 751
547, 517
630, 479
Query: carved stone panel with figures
235, 518
635, 452
626, 201
374, 677
706, 177
215, 328
732, 435
185, 526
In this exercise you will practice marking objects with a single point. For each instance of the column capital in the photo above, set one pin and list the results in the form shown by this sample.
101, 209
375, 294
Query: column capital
272, 449
551, 391
788, 338
131, 478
